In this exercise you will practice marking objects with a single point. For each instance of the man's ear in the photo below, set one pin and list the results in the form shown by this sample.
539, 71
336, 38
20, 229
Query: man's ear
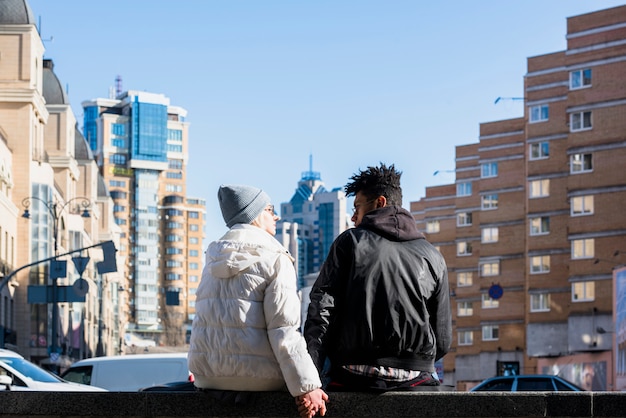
381, 202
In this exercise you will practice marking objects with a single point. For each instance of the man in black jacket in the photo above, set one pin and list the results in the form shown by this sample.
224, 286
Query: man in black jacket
380, 308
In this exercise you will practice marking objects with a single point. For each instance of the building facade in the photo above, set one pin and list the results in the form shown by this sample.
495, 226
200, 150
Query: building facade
53, 212
310, 222
140, 143
534, 226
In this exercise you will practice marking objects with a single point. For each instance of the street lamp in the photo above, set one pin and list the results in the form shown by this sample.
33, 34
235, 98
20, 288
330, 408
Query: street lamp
56, 210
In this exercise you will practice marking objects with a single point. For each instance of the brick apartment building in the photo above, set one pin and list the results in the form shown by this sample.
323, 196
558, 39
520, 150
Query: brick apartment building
534, 224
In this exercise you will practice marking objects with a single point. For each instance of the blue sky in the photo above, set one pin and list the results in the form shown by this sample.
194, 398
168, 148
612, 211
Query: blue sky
267, 83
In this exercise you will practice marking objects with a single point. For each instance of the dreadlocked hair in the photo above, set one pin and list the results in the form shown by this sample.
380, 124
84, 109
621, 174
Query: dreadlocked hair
377, 181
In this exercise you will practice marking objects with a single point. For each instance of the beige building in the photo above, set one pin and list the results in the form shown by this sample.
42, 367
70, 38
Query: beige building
52, 203
534, 224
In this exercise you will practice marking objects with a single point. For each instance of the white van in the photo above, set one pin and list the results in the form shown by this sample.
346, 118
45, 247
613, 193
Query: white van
131, 372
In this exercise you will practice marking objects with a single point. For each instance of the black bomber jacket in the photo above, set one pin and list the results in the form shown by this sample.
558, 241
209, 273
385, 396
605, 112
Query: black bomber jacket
382, 297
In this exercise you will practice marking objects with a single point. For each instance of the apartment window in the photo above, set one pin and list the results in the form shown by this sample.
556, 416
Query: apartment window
173, 238
489, 202
174, 148
194, 278
118, 129
193, 240
539, 151
119, 208
540, 225
173, 250
173, 276
463, 248
582, 205
194, 227
579, 79
117, 183
432, 227
118, 142
466, 337
581, 163
193, 266
489, 235
491, 332
488, 303
193, 215
117, 159
464, 279
174, 225
583, 291
539, 113
489, 170
174, 175
175, 164
465, 309
193, 253
540, 264
490, 269
540, 302
538, 188
580, 121
464, 189
583, 248
464, 219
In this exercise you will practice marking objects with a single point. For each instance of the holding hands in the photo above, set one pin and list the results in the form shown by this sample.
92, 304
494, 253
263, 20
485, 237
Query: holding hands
311, 403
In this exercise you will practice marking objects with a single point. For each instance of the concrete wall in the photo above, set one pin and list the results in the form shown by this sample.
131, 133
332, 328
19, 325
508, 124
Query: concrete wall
280, 404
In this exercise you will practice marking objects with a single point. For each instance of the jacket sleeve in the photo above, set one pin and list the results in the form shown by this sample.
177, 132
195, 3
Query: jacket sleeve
326, 296
441, 314
282, 309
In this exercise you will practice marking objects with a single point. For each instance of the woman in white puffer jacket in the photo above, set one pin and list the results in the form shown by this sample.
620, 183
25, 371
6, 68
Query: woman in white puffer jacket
246, 332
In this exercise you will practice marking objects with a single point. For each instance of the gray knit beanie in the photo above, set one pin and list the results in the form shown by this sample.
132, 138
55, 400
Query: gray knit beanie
241, 204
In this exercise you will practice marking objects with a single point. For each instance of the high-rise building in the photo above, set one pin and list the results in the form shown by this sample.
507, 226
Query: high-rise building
140, 143
310, 222
534, 224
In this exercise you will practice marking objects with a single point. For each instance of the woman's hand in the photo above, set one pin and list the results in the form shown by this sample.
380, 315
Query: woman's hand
311, 403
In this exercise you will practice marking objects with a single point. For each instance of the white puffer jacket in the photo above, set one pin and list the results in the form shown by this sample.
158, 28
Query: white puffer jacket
246, 332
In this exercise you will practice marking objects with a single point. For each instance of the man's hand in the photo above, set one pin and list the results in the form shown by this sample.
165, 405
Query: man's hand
311, 403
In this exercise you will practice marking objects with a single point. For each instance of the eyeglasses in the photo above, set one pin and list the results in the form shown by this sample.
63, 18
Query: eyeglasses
355, 209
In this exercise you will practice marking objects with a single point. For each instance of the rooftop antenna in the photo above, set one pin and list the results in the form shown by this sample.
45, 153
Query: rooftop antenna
118, 85
508, 98
39, 31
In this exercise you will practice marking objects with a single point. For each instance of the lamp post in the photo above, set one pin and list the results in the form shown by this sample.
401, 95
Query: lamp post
56, 211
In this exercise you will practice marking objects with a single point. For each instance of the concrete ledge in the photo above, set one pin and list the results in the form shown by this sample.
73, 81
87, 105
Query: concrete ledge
344, 404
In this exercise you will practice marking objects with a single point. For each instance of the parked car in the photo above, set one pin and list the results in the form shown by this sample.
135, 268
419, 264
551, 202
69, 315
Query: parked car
526, 383
19, 374
130, 373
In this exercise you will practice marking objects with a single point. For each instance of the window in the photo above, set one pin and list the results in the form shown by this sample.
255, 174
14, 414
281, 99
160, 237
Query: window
464, 189
464, 279
540, 264
466, 337
193, 215
490, 332
489, 201
463, 248
539, 150
464, 219
489, 303
582, 248
118, 129
489, 170
540, 225
173, 263
173, 238
193, 253
119, 142
175, 164
174, 175
193, 240
539, 113
579, 79
583, 291
489, 235
432, 227
580, 121
490, 269
580, 163
465, 309
540, 302
117, 159
194, 278
582, 205
194, 227
193, 266
173, 250
119, 208
538, 188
